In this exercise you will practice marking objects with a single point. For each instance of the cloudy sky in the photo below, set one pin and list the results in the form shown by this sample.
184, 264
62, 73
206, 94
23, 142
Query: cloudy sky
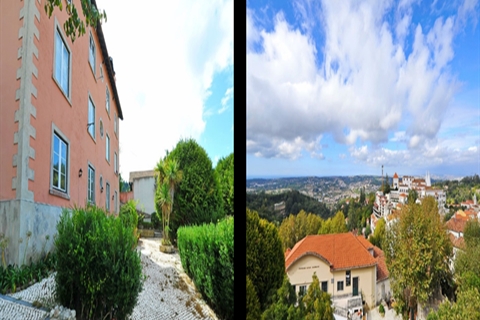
342, 87
174, 73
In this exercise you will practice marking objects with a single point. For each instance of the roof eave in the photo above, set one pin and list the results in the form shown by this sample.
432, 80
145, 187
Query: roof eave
106, 58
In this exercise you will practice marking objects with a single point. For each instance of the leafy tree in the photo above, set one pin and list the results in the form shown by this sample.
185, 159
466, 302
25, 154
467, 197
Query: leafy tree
467, 268
362, 196
74, 26
295, 201
265, 265
417, 251
253, 306
378, 236
295, 228
124, 186
318, 305
334, 225
224, 172
412, 196
283, 304
198, 199
466, 307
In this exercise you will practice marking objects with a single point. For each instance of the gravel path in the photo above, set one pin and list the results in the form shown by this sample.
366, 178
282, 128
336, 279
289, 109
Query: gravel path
168, 293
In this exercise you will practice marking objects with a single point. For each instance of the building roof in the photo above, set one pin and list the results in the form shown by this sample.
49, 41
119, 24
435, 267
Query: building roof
457, 225
395, 175
141, 174
458, 243
382, 271
340, 251
107, 61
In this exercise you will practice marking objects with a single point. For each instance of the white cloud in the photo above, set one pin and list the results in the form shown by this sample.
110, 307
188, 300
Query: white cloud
291, 94
169, 52
228, 96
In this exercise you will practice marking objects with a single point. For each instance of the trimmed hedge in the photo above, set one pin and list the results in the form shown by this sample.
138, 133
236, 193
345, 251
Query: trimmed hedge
207, 256
99, 272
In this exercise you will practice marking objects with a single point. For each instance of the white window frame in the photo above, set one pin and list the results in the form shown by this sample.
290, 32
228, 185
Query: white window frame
342, 285
90, 183
302, 290
115, 124
107, 196
57, 190
115, 163
58, 35
107, 147
91, 125
107, 100
92, 55
116, 201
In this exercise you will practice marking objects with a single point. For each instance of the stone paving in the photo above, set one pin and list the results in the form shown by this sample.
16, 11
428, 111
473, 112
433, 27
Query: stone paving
168, 293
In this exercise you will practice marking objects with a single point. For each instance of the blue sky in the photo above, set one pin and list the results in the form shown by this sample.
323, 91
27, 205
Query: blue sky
174, 75
344, 87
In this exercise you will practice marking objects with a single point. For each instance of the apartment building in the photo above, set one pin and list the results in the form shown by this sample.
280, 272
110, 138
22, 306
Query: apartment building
59, 125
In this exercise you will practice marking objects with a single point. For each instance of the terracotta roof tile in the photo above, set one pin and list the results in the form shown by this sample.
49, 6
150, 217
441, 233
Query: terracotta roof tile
458, 243
382, 271
340, 251
457, 225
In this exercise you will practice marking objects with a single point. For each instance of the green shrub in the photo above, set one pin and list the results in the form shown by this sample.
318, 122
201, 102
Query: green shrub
129, 214
156, 220
207, 256
198, 199
147, 225
381, 309
99, 272
253, 306
224, 174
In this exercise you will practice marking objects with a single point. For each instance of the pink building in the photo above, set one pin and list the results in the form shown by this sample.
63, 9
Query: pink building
59, 111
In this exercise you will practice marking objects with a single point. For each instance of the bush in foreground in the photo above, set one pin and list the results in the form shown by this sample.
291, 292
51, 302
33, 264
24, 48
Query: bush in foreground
99, 272
207, 255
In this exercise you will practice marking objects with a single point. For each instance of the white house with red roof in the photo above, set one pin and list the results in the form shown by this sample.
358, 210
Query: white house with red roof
347, 266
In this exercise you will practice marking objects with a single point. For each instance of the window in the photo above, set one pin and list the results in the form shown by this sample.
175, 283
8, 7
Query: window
59, 163
116, 201
115, 123
347, 278
62, 64
325, 286
115, 163
91, 118
107, 101
91, 185
91, 56
107, 147
107, 195
339, 285
302, 290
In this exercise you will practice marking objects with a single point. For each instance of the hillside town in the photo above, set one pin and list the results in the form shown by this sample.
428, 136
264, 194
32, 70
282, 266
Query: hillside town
350, 264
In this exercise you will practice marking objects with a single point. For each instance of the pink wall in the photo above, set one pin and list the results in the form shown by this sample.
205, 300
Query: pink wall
9, 44
53, 107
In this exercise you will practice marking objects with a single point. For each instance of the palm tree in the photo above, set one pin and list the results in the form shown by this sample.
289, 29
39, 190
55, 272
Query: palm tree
169, 176
173, 176
165, 203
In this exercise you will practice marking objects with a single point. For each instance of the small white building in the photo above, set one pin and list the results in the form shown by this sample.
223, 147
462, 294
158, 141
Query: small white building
143, 188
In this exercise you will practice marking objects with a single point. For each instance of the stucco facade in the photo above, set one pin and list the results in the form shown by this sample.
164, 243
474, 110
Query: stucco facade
300, 274
59, 125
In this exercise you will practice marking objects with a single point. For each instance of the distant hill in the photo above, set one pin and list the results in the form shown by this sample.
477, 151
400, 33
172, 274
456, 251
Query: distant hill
264, 204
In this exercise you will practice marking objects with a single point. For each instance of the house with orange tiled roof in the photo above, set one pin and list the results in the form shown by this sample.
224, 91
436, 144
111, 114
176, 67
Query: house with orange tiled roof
347, 266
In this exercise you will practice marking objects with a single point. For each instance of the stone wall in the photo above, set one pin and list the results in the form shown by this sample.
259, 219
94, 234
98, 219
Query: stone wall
26, 225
